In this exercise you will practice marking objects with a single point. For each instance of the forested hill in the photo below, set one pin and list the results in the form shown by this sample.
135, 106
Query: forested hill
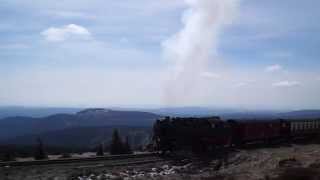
19, 126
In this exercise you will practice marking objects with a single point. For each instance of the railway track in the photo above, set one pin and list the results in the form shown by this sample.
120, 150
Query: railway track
114, 160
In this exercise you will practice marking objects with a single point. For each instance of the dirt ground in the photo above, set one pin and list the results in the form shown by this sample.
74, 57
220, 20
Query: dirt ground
287, 162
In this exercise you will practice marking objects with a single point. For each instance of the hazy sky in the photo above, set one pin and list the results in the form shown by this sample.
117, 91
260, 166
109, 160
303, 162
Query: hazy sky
111, 53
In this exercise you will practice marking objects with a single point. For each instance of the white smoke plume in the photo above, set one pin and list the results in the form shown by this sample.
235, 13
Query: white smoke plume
191, 49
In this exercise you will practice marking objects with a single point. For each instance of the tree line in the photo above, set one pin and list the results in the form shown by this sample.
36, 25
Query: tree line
116, 146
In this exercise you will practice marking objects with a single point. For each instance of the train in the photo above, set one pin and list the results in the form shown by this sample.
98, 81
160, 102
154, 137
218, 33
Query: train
207, 134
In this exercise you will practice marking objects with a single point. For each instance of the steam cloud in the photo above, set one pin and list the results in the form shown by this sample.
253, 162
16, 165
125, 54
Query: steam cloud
190, 50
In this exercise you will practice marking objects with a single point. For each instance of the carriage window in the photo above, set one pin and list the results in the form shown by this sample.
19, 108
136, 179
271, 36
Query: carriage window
213, 125
309, 125
295, 126
313, 124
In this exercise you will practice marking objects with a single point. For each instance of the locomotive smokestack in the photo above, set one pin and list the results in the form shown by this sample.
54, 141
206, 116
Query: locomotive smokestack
189, 50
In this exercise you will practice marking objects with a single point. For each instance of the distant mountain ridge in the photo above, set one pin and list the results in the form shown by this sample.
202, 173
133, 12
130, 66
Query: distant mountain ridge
301, 114
166, 111
35, 112
18, 126
311, 114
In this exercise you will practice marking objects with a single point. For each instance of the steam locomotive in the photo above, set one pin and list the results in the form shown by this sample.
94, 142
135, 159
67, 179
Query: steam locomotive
209, 133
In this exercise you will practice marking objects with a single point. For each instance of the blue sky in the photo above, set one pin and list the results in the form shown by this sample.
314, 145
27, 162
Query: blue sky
110, 53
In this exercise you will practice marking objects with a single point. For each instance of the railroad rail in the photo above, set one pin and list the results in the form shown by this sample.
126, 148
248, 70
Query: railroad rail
81, 160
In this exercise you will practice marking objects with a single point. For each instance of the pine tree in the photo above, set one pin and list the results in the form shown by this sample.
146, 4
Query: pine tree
8, 156
116, 146
100, 150
127, 146
40, 152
